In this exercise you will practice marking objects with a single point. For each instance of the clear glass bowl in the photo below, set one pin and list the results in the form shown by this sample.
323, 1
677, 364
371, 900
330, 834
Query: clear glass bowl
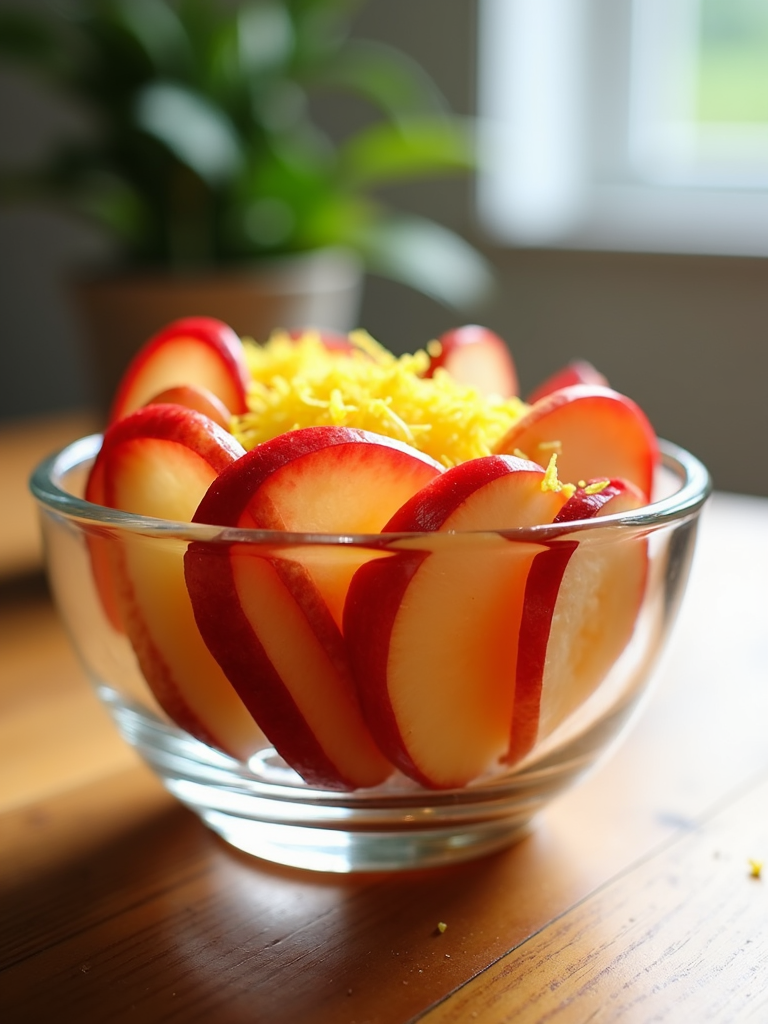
259, 804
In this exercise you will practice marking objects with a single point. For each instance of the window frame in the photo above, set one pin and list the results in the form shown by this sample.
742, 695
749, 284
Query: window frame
565, 175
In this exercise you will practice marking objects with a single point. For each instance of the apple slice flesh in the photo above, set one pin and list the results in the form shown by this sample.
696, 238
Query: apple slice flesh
272, 619
199, 351
581, 604
478, 357
595, 431
200, 399
158, 462
322, 479
432, 629
578, 371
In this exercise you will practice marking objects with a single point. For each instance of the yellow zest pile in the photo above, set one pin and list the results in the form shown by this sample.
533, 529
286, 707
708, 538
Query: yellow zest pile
300, 383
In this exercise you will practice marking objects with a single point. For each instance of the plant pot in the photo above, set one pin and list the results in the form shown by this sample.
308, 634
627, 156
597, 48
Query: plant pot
119, 312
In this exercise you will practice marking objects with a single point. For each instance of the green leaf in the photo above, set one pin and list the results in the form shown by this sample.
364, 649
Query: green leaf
387, 78
415, 148
430, 258
321, 29
208, 146
264, 37
338, 219
158, 31
197, 132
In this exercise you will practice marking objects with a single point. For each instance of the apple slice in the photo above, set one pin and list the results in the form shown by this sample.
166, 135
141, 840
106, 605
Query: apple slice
578, 371
475, 356
432, 629
158, 462
198, 398
321, 479
196, 350
595, 431
582, 600
271, 619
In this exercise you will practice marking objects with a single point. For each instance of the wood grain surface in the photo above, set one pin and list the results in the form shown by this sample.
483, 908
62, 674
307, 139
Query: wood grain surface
632, 899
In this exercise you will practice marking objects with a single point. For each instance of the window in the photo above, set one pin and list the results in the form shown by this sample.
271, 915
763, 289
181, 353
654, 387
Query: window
625, 124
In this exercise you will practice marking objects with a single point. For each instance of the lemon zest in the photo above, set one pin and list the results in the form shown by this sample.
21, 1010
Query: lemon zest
550, 446
552, 482
595, 487
299, 382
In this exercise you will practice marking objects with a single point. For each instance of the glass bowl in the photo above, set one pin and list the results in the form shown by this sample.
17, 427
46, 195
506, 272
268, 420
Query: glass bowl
243, 789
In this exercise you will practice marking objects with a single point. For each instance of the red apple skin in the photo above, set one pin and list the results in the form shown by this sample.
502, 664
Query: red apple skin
168, 424
278, 489
200, 351
578, 371
596, 431
271, 619
252, 500
225, 616
478, 357
544, 589
198, 398
435, 663
164, 426
158, 461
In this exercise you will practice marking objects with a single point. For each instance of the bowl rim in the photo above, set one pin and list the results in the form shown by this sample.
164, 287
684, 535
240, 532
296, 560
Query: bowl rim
45, 485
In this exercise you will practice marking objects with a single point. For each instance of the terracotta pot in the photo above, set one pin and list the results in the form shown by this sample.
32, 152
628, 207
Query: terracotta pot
119, 313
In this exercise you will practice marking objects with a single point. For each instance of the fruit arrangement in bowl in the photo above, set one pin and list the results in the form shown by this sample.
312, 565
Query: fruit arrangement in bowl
361, 611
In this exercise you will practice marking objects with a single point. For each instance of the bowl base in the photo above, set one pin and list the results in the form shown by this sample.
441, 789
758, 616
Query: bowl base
264, 809
332, 850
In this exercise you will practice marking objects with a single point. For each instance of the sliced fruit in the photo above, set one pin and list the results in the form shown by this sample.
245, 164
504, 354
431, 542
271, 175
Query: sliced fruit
158, 462
200, 351
272, 619
475, 356
198, 398
432, 629
578, 371
582, 599
323, 479
595, 431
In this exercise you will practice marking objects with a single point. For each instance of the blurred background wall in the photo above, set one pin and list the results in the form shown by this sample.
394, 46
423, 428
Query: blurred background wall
685, 336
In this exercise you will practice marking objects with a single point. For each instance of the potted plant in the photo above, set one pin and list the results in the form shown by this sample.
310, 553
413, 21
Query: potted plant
208, 164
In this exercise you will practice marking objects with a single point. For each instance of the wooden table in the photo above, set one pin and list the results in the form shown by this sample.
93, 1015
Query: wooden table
634, 899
